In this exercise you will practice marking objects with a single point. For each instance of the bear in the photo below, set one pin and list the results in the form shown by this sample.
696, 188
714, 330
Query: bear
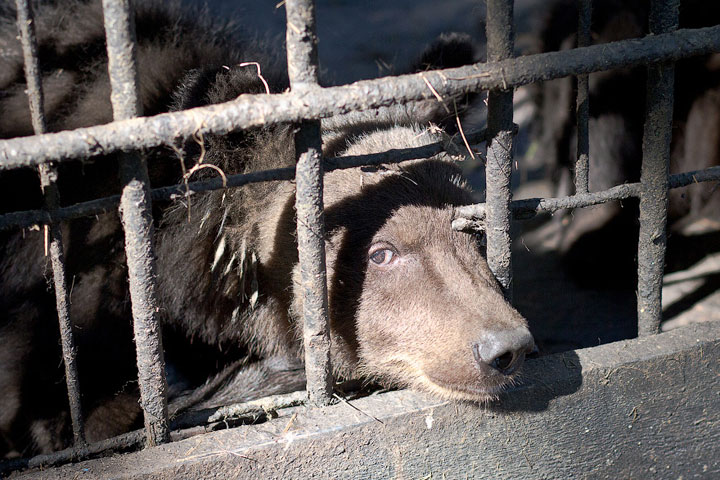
412, 303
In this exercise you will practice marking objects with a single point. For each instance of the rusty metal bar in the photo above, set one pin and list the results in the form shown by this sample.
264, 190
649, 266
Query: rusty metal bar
664, 17
302, 59
520, 208
472, 217
262, 110
136, 213
105, 205
119, 443
498, 168
48, 178
583, 102
28, 41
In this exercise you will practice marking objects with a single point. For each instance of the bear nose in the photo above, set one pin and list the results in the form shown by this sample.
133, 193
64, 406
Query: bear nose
503, 351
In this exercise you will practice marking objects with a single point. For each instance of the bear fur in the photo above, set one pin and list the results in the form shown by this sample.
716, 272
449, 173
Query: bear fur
412, 302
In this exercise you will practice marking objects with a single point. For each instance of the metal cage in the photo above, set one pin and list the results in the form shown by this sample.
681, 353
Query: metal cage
306, 104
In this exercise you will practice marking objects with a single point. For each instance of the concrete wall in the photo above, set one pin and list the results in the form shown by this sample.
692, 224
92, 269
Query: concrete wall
646, 408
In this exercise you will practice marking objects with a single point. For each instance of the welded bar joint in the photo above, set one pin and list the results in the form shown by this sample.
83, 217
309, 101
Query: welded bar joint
136, 214
582, 163
498, 169
48, 179
654, 175
302, 60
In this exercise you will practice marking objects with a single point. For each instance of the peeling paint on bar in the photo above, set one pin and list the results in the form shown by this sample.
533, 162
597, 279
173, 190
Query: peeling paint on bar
48, 179
136, 214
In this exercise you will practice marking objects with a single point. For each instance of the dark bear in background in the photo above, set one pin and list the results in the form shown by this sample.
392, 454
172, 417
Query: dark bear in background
412, 303
599, 244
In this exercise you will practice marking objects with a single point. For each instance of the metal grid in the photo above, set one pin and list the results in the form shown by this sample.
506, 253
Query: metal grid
305, 105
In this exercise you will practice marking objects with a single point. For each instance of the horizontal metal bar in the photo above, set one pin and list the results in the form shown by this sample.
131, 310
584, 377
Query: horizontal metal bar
471, 217
521, 208
257, 110
696, 176
74, 454
182, 428
108, 204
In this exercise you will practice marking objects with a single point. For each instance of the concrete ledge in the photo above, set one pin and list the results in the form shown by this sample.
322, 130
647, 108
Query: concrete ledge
642, 408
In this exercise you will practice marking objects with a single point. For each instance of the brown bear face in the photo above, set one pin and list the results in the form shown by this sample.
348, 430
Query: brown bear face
430, 309
412, 302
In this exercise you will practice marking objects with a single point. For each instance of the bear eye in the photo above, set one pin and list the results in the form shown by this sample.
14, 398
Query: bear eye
383, 257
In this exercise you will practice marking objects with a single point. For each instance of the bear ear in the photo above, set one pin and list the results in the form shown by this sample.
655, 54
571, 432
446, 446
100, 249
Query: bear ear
193, 88
449, 50
218, 84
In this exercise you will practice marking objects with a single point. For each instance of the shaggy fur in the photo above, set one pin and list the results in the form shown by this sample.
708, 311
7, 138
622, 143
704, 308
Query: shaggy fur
227, 260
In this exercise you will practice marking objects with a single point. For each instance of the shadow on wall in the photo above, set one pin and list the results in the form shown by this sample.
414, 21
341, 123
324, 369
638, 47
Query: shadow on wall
541, 381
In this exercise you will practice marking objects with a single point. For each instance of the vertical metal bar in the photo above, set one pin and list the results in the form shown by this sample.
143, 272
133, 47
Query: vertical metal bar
303, 73
500, 44
583, 102
654, 175
48, 178
136, 211
28, 40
